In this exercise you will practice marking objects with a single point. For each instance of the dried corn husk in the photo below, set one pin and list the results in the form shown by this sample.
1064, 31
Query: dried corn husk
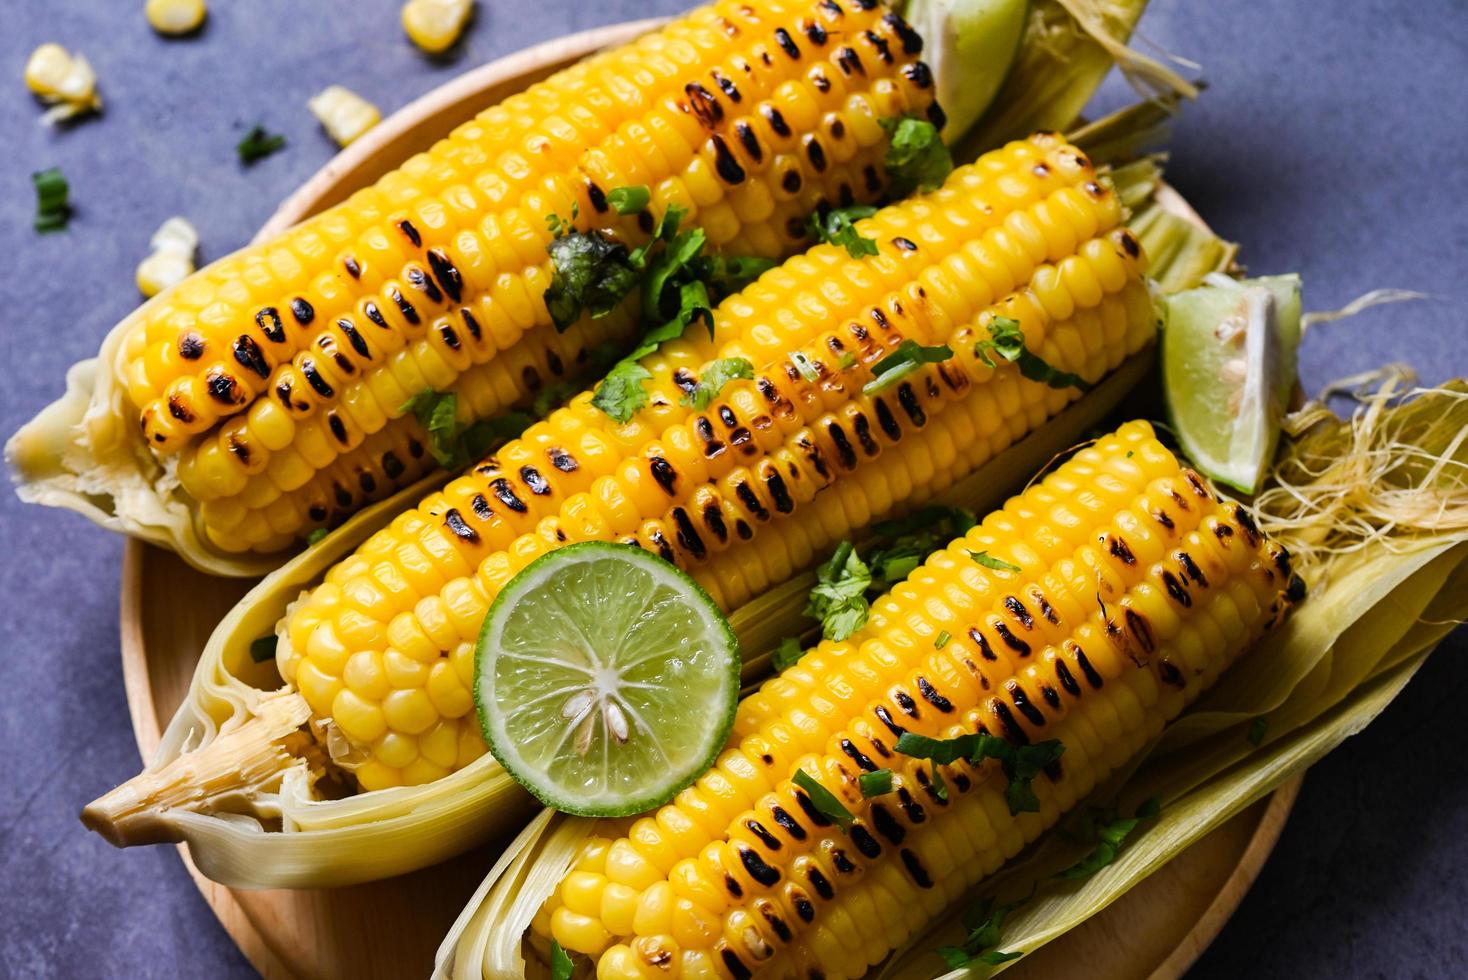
1376, 508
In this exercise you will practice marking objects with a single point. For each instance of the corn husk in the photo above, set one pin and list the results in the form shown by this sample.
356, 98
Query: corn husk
1376, 509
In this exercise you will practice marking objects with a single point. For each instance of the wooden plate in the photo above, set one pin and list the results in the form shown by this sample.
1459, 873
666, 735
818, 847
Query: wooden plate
390, 929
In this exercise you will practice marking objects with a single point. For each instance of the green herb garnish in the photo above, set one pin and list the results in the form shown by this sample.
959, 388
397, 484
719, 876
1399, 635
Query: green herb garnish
53, 209
786, 655
715, 376
1108, 833
989, 561
262, 648
592, 274
561, 965
1021, 763
942, 639
916, 157
878, 783
911, 539
983, 922
837, 226
838, 599
316, 535
620, 393
1258, 729
629, 200
805, 366
451, 446
905, 358
823, 800
1007, 340
258, 144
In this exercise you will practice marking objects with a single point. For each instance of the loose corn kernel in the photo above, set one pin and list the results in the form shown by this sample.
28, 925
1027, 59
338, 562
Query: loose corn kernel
63, 80
434, 25
172, 257
175, 17
344, 114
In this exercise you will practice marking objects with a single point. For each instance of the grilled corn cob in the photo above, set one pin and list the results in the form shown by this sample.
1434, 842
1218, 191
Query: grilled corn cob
1125, 588
251, 378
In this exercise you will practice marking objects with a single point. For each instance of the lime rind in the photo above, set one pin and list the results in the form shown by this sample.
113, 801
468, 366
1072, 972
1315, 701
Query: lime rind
606, 679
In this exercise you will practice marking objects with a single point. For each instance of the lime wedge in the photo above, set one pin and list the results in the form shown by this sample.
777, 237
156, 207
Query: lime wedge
606, 679
1228, 366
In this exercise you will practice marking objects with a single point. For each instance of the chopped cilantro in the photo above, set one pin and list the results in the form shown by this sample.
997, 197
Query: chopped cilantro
316, 535
620, 393
715, 376
1021, 763
561, 965
262, 648
823, 799
787, 654
53, 210
1007, 340
258, 144
942, 640
904, 359
805, 366
989, 561
983, 922
916, 157
592, 274
729, 275
837, 226
878, 783
629, 200
451, 446
839, 597
911, 539
1258, 729
1108, 833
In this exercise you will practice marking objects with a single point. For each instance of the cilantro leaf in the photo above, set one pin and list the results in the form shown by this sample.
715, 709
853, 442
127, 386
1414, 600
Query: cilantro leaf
258, 144
787, 654
916, 157
989, 561
452, 447
53, 210
876, 783
837, 226
262, 648
825, 802
592, 274
561, 965
317, 534
1007, 340
905, 358
838, 599
629, 200
620, 393
1021, 764
477, 440
1109, 837
715, 376
912, 539
1258, 728
729, 275
942, 640
983, 920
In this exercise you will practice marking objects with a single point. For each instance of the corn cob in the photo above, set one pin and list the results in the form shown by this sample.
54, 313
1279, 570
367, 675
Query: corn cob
1132, 588
748, 116
384, 648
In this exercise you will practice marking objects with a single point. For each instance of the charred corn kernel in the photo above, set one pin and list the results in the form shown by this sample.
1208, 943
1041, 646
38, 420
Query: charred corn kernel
172, 257
734, 492
434, 25
63, 80
1036, 653
344, 114
175, 16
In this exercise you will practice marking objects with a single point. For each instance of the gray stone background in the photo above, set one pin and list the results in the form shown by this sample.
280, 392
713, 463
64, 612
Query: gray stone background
1331, 141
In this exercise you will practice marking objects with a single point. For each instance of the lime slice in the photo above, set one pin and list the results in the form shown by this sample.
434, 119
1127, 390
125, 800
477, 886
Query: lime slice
606, 679
1228, 366
972, 44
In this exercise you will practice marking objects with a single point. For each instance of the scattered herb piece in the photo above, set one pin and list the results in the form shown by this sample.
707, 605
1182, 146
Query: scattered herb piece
823, 799
729, 275
989, 561
1109, 834
620, 393
905, 358
258, 144
715, 376
911, 539
983, 922
940, 785
592, 274
837, 226
561, 965
847, 362
1007, 340
629, 200
786, 655
452, 447
878, 783
317, 535
805, 366
262, 648
916, 157
53, 209
838, 599
1021, 763
942, 640
1258, 729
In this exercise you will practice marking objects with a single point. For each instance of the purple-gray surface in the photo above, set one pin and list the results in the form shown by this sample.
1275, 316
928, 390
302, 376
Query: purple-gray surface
1331, 141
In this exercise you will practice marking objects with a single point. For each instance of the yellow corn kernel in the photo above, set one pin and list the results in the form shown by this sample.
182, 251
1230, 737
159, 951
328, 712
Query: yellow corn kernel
343, 114
434, 25
175, 17
63, 80
171, 258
